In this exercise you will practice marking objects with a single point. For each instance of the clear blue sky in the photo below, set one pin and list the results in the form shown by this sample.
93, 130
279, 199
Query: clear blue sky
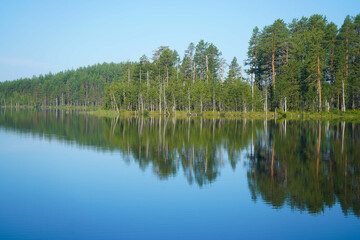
38, 37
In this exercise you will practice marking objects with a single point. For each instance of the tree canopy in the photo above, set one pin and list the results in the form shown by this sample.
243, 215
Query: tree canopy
309, 64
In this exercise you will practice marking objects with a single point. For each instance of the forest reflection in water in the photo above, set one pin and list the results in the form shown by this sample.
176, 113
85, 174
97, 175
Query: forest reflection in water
306, 165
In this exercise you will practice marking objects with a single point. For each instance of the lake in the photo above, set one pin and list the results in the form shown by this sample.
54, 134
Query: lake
66, 175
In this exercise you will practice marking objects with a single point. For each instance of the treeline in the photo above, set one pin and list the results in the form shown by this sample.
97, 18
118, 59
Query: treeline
307, 65
83, 86
198, 82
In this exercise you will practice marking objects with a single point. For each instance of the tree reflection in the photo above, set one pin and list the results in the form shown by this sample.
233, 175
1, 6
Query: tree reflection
306, 165
196, 146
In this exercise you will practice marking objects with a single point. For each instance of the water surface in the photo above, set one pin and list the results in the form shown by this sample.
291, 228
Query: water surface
65, 175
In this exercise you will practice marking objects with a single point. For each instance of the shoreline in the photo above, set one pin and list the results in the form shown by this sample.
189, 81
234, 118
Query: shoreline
350, 115
98, 111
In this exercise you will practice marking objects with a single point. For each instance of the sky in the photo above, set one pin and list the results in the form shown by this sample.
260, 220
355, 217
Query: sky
38, 37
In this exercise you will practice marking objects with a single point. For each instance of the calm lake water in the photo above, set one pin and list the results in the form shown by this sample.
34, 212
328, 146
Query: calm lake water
73, 176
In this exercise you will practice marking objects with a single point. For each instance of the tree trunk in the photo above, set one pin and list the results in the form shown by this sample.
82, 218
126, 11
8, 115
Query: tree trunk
167, 77
318, 70
343, 96
255, 64
265, 103
189, 100
222, 72
164, 95
86, 94
68, 95
117, 108
347, 58
214, 101
160, 98
273, 66
241, 77
252, 93
147, 79
207, 68
332, 66
192, 66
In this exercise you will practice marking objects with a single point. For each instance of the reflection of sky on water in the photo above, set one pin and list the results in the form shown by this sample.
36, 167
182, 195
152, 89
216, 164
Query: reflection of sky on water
56, 190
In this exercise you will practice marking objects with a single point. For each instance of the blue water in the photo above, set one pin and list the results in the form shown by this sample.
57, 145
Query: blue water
50, 189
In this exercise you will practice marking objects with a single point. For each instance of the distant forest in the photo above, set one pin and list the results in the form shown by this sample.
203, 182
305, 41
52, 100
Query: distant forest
307, 65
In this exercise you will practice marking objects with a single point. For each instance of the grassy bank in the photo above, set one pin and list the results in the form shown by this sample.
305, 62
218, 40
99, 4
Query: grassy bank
278, 114
352, 114
333, 114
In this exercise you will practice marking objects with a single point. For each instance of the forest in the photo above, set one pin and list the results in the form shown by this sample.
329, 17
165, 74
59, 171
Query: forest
308, 64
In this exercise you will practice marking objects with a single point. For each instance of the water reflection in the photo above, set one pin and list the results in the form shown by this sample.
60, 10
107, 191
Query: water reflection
306, 165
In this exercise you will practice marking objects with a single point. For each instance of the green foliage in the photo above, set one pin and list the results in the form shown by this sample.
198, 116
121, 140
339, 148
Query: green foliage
81, 87
307, 65
308, 62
